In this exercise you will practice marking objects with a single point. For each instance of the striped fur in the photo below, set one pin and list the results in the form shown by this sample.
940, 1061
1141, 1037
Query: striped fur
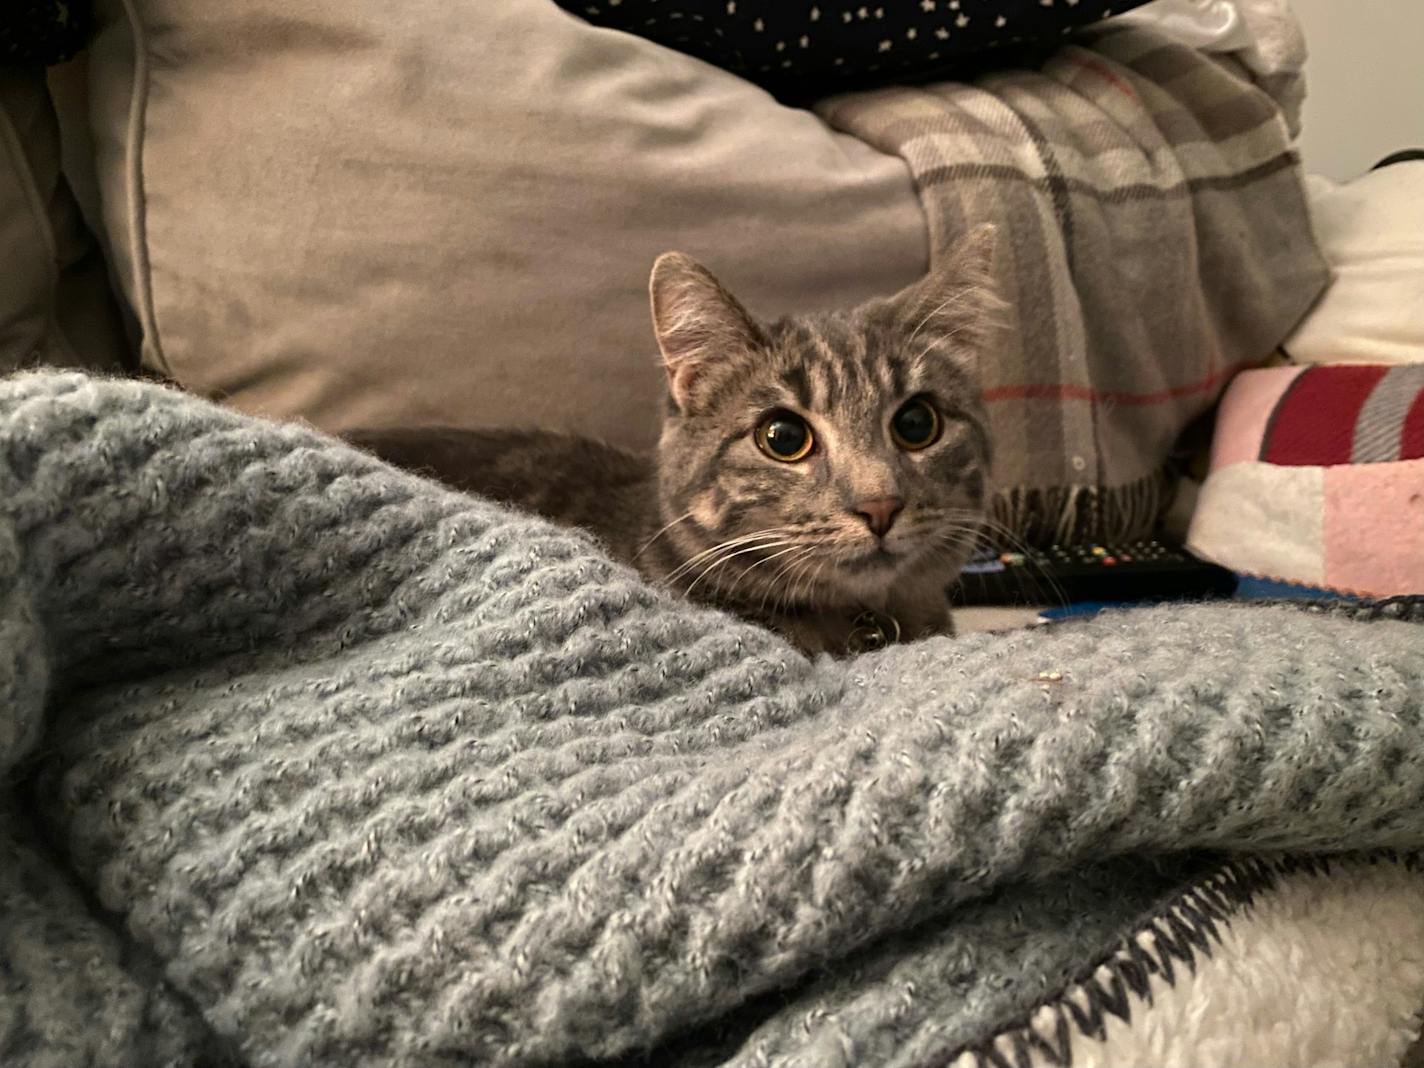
1157, 241
714, 518
780, 541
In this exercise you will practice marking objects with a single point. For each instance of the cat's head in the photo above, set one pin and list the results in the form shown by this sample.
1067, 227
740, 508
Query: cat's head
821, 458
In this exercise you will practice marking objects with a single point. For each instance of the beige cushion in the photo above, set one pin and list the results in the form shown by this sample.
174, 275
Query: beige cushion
373, 214
56, 307
1372, 232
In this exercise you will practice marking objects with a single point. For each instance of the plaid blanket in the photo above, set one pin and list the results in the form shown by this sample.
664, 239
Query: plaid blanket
1157, 243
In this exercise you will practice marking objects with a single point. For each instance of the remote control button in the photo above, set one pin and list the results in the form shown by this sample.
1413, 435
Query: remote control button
1109, 561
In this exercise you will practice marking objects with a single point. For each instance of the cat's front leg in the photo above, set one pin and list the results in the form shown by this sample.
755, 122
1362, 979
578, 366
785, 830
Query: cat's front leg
921, 611
923, 624
945, 625
812, 634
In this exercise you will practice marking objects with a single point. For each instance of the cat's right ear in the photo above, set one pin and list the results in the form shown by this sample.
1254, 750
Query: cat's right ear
958, 301
697, 323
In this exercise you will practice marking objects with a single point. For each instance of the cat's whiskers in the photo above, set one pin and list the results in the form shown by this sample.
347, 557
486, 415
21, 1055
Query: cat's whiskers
726, 590
962, 541
786, 569
976, 519
958, 542
986, 525
809, 573
811, 576
768, 534
666, 527
731, 590
718, 561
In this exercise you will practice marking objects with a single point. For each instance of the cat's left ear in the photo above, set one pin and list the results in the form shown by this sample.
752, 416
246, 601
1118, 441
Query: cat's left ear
958, 300
697, 323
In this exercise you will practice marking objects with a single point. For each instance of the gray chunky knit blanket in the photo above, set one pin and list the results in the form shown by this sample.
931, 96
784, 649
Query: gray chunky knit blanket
308, 761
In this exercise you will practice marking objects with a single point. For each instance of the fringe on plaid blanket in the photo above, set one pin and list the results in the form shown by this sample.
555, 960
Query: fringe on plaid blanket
1157, 242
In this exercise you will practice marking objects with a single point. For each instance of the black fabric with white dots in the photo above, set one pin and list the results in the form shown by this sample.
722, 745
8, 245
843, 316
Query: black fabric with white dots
813, 47
42, 32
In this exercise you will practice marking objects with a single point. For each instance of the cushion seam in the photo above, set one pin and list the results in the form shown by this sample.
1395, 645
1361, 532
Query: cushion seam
134, 195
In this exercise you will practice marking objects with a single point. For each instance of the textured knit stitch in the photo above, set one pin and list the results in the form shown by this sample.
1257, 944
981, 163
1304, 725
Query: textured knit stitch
376, 774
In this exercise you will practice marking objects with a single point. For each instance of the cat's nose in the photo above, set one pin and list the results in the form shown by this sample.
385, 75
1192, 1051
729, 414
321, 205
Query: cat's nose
879, 514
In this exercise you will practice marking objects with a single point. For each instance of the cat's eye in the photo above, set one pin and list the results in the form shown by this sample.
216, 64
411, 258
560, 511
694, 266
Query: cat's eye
916, 425
785, 436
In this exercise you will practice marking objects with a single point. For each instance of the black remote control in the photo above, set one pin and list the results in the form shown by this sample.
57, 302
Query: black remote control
1147, 570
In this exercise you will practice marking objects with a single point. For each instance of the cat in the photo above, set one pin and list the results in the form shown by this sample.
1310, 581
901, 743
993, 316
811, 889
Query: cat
823, 475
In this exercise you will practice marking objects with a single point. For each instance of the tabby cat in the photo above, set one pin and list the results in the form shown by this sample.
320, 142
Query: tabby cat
824, 475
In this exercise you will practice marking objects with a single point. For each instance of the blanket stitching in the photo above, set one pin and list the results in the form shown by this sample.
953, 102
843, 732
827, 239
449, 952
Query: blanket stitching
1184, 930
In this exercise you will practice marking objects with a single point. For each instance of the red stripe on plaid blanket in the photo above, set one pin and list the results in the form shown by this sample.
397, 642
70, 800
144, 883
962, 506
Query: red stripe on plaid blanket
1092, 66
1411, 438
1120, 397
1314, 423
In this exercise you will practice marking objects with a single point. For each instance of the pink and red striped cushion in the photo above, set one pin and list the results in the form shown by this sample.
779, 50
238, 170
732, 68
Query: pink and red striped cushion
1317, 478
1348, 414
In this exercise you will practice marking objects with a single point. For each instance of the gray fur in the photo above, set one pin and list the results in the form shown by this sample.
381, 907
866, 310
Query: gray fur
716, 519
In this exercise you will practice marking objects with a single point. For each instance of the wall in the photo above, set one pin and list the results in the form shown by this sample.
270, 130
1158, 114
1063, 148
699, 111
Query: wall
1365, 81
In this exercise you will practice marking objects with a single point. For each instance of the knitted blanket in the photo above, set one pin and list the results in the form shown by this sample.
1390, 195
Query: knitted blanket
311, 762
1156, 241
